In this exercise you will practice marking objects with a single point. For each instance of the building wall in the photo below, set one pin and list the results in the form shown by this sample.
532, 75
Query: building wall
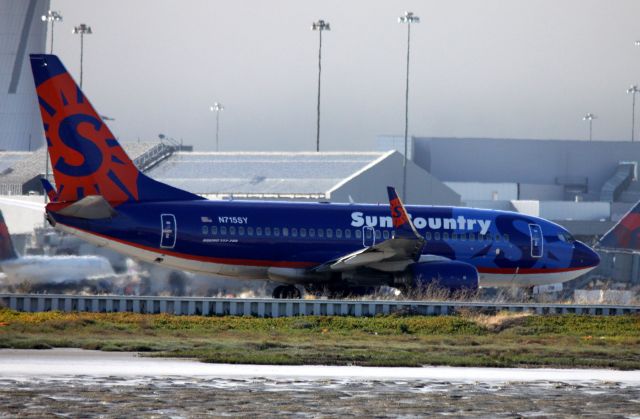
370, 185
22, 32
541, 162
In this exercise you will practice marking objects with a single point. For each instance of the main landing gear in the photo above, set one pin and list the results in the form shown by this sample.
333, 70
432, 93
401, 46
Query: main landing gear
286, 291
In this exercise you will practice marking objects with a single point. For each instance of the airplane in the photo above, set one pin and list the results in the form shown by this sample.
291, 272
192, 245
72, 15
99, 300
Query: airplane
39, 270
340, 248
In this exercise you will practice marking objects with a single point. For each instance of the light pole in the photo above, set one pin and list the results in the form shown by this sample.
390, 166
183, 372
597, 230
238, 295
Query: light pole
217, 107
83, 30
633, 90
53, 17
319, 26
407, 18
590, 117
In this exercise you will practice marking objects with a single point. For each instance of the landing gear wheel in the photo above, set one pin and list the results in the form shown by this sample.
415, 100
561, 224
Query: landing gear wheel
286, 291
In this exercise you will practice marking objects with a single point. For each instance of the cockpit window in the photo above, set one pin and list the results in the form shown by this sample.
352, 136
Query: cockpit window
566, 237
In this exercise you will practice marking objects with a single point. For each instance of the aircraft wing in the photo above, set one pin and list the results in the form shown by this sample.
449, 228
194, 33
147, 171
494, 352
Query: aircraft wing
404, 248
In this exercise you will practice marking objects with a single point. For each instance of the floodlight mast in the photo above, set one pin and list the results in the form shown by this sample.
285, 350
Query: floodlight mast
319, 26
82, 30
590, 117
407, 18
52, 17
633, 90
217, 107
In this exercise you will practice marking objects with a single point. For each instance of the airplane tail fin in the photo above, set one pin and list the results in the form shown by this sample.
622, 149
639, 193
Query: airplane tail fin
402, 225
625, 235
7, 250
85, 156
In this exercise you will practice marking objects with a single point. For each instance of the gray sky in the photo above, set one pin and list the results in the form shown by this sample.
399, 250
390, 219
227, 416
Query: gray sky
494, 68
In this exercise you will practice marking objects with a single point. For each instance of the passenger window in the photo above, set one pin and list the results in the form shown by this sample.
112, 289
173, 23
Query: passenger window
427, 235
205, 230
378, 235
214, 230
329, 233
250, 231
506, 237
223, 230
258, 231
232, 231
436, 236
320, 232
385, 234
463, 236
285, 231
445, 236
347, 234
338, 233
358, 234
497, 237
472, 237
367, 233
454, 236
303, 232
241, 231
276, 231
294, 232
312, 232
267, 231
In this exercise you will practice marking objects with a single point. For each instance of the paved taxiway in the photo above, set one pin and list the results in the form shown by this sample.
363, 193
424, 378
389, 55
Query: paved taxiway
72, 382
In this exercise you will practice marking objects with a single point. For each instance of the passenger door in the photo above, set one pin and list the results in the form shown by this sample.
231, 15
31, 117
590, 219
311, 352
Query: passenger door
536, 240
168, 231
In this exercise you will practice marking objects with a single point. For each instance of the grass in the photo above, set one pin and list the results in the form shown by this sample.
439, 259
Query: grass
502, 340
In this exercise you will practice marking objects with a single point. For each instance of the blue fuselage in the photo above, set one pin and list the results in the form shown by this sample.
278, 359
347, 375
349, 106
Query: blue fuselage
214, 236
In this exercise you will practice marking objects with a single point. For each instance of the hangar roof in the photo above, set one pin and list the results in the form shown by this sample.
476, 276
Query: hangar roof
262, 174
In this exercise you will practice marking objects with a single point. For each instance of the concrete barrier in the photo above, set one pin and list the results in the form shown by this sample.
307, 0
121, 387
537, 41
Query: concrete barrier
266, 307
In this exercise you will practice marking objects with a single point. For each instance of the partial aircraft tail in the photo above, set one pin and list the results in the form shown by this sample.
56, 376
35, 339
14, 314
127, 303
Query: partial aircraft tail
625, 235
6, 245
85, 156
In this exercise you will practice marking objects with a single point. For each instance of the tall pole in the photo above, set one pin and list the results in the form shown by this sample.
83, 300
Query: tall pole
633, 90
82, 30
217, 107
319, 26
590, 117
407, 18
53, 17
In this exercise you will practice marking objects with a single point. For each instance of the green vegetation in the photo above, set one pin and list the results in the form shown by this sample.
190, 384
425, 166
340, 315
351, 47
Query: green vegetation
503, 340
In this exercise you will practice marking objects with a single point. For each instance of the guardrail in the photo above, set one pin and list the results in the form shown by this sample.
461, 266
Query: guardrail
266, 307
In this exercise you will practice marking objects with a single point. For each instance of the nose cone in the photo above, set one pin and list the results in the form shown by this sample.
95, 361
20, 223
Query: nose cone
584, 256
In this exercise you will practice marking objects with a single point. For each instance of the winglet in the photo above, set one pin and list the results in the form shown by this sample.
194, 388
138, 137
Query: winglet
625, 235
50, 190
402, 225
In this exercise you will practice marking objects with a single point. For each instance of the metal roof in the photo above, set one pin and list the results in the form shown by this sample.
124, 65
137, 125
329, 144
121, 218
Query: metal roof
261, 173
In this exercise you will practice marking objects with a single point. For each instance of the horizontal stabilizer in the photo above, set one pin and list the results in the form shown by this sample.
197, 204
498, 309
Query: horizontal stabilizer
92, 207
50, 190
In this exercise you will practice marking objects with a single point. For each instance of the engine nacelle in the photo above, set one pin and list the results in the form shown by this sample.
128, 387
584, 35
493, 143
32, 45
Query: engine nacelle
452, 275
